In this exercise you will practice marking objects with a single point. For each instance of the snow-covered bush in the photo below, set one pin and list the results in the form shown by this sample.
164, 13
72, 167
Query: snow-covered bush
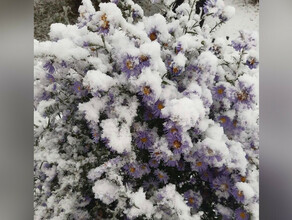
146, 117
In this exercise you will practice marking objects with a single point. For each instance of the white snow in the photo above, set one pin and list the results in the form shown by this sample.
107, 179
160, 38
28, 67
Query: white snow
106, 191
97, 80
185, 111
119, 137
141, 205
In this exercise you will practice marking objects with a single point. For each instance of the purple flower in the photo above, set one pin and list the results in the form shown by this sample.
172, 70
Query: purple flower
46, 96
219, 92
151, 183
51, 78
172, 160
238, 194
175, 69
206, 175
144, 140
162, 176
148, 115
115, 1
244, 96
153, 34
224, 121
252, 62
95, 135
172, 130
222, 183
198, 164
193, 199
177, 145
145, 169
104, 24
147, 94
144, 61
178, 48
77, 87
49, 67
133, 170
156, 153
130, 66
153, 163
158, 106
241, 214
181, 165
245, 41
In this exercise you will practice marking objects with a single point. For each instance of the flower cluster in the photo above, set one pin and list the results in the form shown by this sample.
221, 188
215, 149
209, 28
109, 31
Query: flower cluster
146, 117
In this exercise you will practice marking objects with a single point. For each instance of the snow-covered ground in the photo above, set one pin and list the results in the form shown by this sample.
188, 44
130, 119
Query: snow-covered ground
246, 17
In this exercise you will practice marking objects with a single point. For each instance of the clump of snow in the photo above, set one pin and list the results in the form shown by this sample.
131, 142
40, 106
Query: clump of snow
106, 191
186, 111
97, 80
93, 108
140, 205
119, 137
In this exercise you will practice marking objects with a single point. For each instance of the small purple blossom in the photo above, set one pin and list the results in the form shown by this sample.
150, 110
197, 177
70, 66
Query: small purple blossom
51, 78
144, 140
219, 92
49, 67
130, 66
178, 48
252, 62
245, 41
133, 170
161, 176
241, 214
222, 183
144, 61
153, 163
158, 106
147, 94
238, 194
151, 183
224, 121
193, 199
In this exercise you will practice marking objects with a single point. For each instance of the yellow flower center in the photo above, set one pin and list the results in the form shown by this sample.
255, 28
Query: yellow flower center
224, 186
243, 179
242, 215
199, 164
160, 106
129, 64
223, 120
153, 36
191, 201
239, 193
146, 90
132, 169
144, 140
175, 70
160, 176
173, 130
220, 91
242, 96
176, 144
143, 58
